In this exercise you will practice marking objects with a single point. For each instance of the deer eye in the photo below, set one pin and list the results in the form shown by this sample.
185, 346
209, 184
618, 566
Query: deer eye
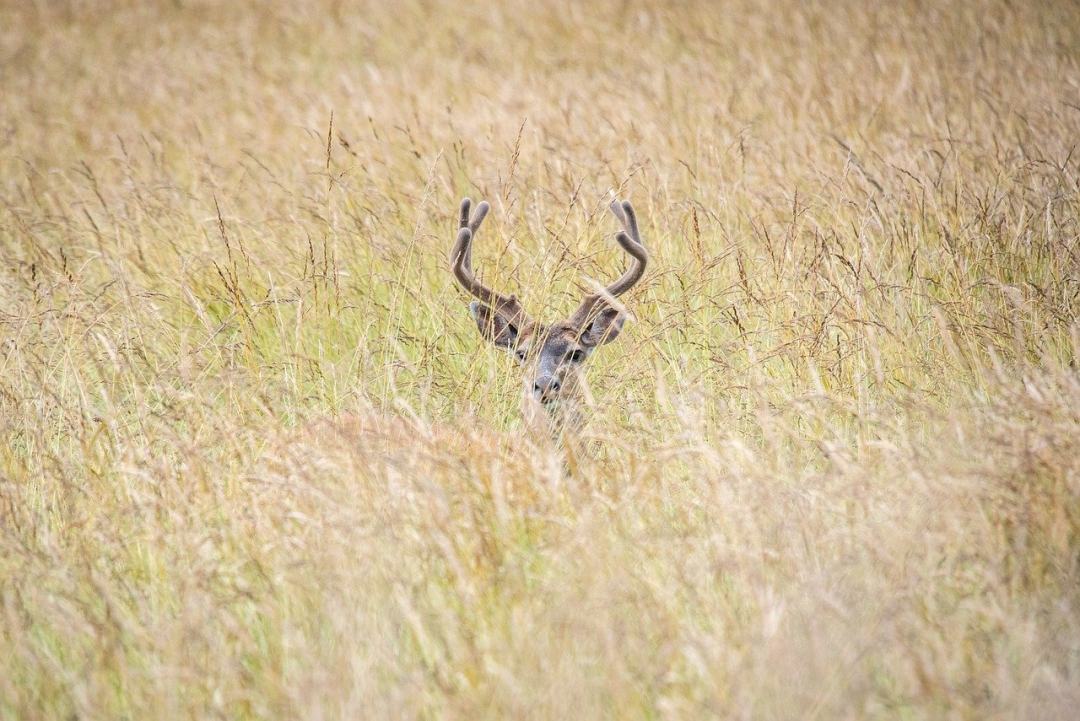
577, 356
520, 354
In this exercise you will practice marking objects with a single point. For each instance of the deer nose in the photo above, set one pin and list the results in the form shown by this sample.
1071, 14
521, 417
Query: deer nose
546, 388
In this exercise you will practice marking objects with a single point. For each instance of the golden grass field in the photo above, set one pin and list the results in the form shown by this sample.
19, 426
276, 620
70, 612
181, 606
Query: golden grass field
834, 463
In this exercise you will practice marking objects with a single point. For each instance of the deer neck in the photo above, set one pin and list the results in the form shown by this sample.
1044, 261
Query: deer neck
559, 421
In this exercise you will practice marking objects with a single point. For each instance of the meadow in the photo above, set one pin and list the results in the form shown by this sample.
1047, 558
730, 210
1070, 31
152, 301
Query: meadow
833, 464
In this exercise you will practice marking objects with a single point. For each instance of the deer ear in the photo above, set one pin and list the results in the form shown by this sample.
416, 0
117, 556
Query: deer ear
604, 328
493, 325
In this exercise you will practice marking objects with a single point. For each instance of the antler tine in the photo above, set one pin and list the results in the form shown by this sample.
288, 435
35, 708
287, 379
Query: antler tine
629, 218
629, 240
461, 261
474, 225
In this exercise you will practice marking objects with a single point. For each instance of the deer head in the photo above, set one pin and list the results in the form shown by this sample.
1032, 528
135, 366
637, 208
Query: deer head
552, 355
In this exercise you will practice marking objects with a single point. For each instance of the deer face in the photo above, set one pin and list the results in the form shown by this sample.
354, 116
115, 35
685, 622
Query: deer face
553, 355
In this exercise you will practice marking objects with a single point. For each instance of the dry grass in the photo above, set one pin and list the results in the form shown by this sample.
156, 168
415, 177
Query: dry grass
835, 468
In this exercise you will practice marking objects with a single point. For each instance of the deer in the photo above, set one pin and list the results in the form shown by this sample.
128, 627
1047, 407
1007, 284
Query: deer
551, 355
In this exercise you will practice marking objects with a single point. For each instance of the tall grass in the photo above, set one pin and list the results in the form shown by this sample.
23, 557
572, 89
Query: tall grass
834, 465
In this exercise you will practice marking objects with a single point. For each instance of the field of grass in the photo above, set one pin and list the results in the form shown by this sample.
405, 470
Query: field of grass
834, 462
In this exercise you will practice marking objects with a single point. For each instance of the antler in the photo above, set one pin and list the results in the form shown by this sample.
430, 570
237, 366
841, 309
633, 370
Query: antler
629, 240
461, 264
